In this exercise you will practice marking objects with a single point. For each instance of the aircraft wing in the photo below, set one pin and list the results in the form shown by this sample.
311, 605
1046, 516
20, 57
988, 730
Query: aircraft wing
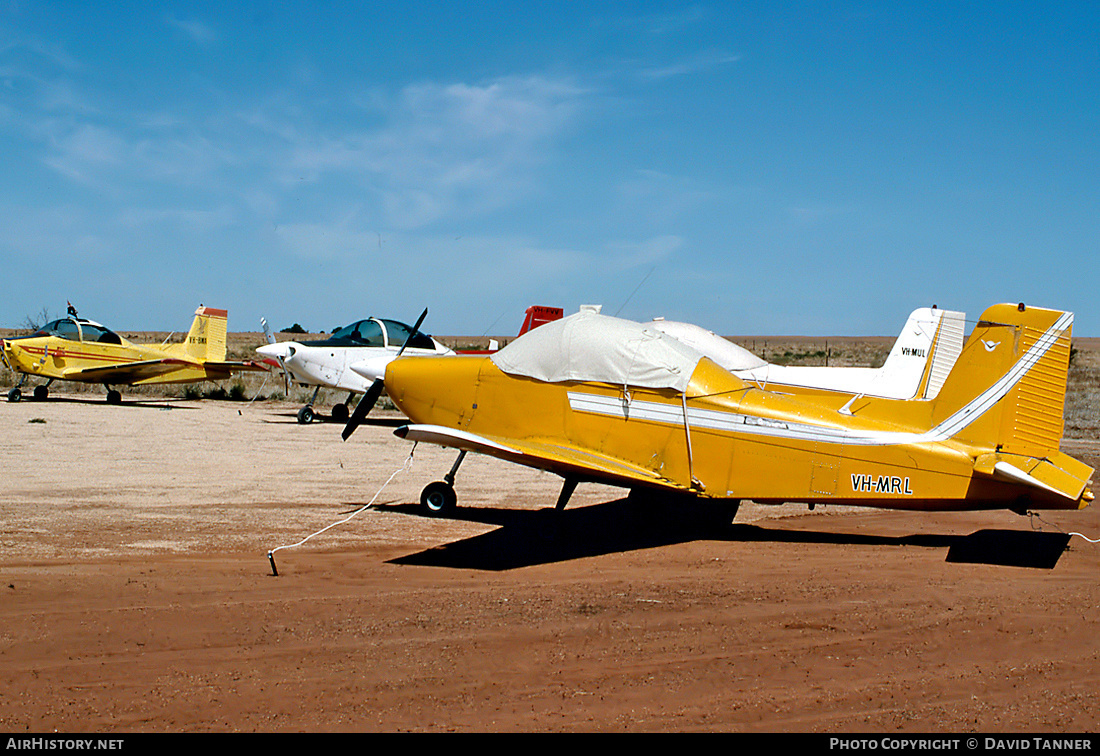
235, 365
543, 455
128, 372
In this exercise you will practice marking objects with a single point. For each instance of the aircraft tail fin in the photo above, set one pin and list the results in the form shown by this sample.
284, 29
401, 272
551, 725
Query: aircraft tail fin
537, 315
946, 347
1007, 388
207, 337
922, 356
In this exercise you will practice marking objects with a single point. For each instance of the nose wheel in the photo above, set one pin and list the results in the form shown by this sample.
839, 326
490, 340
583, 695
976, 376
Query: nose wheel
438, 499
305, 414
16, 394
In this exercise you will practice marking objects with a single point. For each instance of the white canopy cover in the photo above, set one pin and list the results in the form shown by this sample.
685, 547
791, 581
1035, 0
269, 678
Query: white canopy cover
588, 346
723, 351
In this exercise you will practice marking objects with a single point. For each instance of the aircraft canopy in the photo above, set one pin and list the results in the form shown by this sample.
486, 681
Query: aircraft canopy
588, 346
376, 332
78, 330
722, 351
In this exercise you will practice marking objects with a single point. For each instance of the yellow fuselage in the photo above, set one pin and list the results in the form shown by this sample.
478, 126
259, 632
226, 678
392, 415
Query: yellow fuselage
60, 358
734, 441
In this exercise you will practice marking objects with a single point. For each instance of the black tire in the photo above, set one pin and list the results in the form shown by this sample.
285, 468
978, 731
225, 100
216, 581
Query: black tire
305, 415
340, 413
40, 393
438, 499
15, 395
114, 397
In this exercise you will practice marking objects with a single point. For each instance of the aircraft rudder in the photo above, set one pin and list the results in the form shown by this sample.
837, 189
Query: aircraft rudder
207, 338
1007, 387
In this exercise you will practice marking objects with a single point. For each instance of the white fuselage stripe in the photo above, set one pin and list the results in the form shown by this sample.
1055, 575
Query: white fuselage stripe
673, 414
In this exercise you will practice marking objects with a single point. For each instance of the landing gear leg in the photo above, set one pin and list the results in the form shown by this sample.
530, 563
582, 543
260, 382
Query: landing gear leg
567, 490
450, 477
113, 397
305, 414
439, 498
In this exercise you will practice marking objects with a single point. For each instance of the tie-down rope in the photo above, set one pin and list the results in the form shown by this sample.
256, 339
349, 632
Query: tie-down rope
406, 466
1034, 516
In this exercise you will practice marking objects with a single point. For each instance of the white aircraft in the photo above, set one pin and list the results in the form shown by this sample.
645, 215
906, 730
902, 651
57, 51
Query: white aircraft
916, 367
352, 359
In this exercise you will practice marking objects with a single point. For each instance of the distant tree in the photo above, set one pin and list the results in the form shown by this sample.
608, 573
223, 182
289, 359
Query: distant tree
294, 329
34, 322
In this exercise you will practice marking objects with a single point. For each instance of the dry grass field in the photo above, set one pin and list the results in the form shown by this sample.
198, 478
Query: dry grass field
1082, 392
136, 593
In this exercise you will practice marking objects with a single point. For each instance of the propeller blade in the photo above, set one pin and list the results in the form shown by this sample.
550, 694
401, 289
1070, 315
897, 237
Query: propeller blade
267, 331
282, 364
366, 404
415, 328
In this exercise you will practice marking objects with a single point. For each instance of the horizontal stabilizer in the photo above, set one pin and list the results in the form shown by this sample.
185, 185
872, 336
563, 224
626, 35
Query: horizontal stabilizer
235, 365
1058, 473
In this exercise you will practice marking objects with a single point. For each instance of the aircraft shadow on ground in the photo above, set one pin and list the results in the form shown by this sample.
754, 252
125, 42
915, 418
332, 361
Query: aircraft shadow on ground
319, 419
525, 538
98, 401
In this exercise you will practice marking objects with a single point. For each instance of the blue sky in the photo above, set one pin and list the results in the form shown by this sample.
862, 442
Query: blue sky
753, 167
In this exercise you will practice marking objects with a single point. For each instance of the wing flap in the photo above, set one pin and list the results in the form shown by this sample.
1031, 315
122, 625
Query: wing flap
542, 455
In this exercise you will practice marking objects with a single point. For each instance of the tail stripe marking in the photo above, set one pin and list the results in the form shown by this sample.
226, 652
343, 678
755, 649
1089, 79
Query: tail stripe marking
751, 425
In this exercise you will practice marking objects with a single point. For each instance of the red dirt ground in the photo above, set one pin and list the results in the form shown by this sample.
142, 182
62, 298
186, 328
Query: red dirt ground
137, 595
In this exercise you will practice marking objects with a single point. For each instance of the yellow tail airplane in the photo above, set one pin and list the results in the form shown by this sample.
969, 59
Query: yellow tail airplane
75, 349
593, 398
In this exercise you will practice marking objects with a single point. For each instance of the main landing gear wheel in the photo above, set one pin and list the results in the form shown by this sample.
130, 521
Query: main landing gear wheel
40, 393
113, 397
340, 413
438, 499
305, 415
15, 395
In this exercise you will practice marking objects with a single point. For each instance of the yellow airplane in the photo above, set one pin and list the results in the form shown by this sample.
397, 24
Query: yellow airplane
76, 349
593, 398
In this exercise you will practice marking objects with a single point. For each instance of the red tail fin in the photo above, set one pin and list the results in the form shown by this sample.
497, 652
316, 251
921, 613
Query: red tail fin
538, 315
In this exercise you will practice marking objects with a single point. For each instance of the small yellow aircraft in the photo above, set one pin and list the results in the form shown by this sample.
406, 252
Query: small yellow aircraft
593, 398
76, 349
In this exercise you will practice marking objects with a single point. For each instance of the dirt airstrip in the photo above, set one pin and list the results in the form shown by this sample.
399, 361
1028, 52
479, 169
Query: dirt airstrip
136, 594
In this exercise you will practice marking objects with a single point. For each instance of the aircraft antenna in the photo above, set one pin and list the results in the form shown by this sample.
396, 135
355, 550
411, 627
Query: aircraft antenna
501, 315
646, 277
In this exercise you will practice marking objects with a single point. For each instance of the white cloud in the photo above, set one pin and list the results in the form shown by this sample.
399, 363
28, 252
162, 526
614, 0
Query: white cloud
701, 62
448, 150
197, 31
